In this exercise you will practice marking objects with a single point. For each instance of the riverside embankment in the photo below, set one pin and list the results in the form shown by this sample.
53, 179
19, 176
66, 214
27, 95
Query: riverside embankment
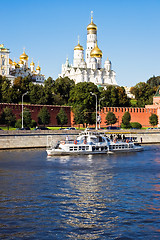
38, 139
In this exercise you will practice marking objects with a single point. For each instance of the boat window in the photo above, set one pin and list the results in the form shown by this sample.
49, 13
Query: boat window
110, 147
80, 147
122, 146
87, 147
75, 148
100, 139
93, 139
131, 145
126, 146
83, 147
71, 148
113, 146
117, 146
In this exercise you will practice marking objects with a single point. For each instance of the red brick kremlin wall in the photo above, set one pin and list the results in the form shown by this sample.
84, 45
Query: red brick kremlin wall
140, 115
35, 109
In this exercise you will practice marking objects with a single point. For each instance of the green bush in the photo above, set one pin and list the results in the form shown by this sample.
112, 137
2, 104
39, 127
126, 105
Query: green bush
18, 123
136, 125
33, 124
125, 126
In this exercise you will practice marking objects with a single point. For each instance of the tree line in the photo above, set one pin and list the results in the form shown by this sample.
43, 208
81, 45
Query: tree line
144, 91
64, 91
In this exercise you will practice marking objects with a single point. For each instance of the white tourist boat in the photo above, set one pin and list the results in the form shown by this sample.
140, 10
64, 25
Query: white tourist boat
92, 143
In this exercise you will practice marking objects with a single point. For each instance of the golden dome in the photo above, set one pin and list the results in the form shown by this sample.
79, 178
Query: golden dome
92, 26
32, 63
20, 62
14, 63
38, 68
10, 61
17, 65
78, 47
96, 52
24, 56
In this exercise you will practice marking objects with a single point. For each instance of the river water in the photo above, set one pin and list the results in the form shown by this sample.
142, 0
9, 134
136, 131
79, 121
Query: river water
80, 197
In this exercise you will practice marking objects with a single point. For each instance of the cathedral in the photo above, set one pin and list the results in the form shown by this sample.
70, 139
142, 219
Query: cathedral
90, 69
12, 69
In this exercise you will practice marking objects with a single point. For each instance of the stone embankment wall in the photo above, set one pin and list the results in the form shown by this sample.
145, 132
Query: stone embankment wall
32, 139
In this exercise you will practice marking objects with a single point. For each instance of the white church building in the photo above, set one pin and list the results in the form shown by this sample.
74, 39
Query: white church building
12, 69
90, 69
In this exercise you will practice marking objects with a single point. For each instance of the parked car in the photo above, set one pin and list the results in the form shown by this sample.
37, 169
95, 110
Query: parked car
26, 128
90, 128
41, 128
70, 128
112, 127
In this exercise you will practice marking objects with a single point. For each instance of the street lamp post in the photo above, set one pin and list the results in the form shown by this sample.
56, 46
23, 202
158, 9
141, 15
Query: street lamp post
22, 106
100, 112
96, 106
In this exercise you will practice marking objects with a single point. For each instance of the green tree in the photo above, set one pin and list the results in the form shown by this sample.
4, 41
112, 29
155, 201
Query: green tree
18, 123
44, 116
153, 119
78, 115
20, 86
114, 97
8, 118
81, 96
62, 87
143, 94
123, 100
62, 118
36, 93
27, 120
110, 118
5, 90
126, 120
154, 81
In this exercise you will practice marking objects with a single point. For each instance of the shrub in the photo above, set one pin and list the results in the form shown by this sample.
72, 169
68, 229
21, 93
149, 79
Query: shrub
18, 123
153, 119
125, 126
136, 125
33, 124
126, 120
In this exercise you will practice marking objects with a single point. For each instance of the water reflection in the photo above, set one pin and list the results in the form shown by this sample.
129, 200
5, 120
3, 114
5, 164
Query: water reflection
86, 207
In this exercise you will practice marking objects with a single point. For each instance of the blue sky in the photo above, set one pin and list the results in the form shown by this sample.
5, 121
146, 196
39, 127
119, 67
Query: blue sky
128, 34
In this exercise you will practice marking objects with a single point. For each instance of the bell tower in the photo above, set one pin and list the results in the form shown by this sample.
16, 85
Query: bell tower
91, 39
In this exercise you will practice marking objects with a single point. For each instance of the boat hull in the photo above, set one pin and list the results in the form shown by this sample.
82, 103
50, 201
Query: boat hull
58, 152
